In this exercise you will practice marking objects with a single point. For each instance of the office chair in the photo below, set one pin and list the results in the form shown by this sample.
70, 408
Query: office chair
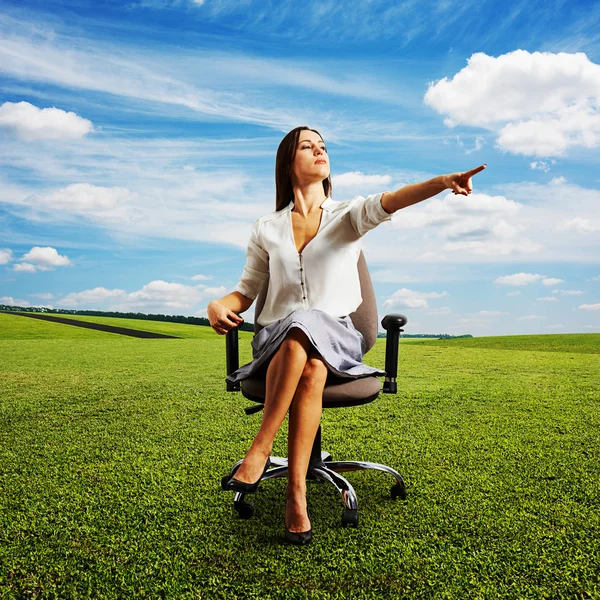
338, 392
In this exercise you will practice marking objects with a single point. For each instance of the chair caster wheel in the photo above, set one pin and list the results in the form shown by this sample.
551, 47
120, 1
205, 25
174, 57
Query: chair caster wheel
350, 517
398, 491
245, 510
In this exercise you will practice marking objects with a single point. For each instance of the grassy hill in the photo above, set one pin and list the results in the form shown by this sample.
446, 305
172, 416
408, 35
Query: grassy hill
112, 449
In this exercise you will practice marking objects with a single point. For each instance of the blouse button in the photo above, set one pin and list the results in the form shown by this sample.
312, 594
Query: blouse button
304, 297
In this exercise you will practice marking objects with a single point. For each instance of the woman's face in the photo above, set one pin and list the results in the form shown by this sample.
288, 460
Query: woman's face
311, 162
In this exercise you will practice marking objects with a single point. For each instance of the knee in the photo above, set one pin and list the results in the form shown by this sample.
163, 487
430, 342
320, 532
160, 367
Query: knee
315, 370
296, 338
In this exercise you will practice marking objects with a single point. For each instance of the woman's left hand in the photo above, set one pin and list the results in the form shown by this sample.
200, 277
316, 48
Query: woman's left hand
460, 183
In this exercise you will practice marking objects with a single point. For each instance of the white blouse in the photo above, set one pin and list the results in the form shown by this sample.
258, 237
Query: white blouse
325, 274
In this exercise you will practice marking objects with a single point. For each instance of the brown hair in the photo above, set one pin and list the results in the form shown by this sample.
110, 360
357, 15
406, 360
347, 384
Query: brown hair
284, 192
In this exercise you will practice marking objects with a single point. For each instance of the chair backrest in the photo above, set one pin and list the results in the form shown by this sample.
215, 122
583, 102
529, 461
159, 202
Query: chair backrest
364, 317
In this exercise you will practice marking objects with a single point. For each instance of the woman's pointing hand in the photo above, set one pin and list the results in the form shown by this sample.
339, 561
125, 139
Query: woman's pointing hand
460, 183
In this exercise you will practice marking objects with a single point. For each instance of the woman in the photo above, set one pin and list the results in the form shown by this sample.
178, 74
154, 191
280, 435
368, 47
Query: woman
308, 248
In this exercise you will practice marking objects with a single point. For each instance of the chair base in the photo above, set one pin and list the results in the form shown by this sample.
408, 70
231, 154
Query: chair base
321, 470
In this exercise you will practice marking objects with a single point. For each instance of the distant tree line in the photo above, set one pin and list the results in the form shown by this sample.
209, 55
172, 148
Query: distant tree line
430, 335
245, 326
120, 315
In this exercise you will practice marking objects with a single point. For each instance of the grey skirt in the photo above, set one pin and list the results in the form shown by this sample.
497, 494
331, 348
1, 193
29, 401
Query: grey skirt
336, 339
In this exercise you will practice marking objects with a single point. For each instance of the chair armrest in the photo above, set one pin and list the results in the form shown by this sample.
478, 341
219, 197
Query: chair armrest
232, 356
392, 324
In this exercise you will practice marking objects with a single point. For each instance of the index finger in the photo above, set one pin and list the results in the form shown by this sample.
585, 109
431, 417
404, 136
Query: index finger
477, 170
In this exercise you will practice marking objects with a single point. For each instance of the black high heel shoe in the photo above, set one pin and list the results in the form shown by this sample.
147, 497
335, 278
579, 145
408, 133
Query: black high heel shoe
230, 483
302, 537
297, 537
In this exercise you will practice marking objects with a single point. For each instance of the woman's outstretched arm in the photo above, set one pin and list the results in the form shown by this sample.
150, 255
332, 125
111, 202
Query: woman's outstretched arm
460, 183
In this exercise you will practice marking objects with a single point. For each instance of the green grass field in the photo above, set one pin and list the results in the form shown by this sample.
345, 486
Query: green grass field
112, 450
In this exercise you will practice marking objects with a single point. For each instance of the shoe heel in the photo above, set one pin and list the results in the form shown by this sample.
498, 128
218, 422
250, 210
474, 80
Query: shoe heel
300, 538
230, 483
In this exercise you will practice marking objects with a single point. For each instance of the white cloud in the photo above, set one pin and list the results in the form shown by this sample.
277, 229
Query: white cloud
526, 278
519, 279
558, 180
41, 259
356, 179
478, 224
214, 291
10, 301
539, 165
156, 295
531, 317
24, 268
6, 255
91, 298
548, 299
47, 296
551, 107
444, 208
201, 277
568, 292
479, 141
406, 298
30, 123
106, 205
517, 293
589, 307
578, 224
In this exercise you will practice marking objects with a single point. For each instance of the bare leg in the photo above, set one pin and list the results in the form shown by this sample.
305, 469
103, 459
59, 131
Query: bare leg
283, 374
305, 416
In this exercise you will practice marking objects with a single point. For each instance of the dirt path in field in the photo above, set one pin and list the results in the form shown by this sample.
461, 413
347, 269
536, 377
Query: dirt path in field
98, 326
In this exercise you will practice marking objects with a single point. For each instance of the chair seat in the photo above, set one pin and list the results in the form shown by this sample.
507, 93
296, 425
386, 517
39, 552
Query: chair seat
338, 391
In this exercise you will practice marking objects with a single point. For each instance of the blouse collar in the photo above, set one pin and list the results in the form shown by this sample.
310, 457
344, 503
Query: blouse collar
326, 205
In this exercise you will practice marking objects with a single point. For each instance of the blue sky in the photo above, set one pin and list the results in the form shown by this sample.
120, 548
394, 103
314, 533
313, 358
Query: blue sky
139, 139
